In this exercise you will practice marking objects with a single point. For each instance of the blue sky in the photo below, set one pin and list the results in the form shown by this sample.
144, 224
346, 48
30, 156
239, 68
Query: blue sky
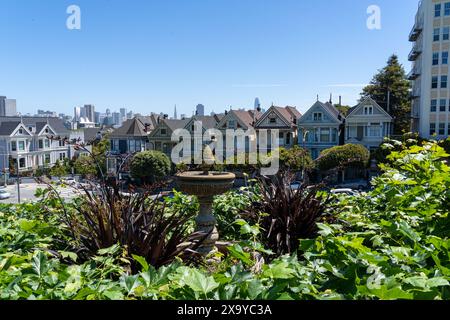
150, 55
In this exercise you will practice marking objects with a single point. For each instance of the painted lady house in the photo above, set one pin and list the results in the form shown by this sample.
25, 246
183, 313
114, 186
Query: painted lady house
368, 124
320, 128
27, 142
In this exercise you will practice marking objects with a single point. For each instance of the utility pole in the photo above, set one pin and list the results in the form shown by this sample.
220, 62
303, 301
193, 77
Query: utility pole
18, 181
388, 102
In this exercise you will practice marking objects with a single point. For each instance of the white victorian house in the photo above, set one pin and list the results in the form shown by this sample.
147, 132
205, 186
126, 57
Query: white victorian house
26, 142
368, 124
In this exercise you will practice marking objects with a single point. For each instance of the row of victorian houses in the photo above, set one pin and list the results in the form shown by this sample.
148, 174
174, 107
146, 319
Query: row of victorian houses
320, 128
25, 142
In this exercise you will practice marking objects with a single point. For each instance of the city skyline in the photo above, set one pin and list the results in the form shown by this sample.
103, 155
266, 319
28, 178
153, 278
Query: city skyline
150, 56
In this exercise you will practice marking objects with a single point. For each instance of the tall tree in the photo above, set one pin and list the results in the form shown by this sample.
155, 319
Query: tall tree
390, 84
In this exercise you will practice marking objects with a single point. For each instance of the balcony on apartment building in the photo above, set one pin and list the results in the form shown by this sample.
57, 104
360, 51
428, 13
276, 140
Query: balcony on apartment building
415, 92
415, 72
415, 110
415, 51
418, 26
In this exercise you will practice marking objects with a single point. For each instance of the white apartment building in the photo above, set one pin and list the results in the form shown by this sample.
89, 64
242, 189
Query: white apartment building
430, 71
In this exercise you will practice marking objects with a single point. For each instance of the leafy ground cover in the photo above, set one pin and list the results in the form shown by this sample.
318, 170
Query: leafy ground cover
391, 243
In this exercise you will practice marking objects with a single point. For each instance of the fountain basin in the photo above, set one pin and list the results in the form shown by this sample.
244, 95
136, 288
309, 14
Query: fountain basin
205, 187
198, 184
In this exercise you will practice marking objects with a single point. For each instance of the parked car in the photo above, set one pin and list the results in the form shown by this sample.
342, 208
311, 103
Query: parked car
348, 192
4, 195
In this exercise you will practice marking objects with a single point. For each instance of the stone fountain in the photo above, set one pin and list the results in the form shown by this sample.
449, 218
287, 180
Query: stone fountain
205, 185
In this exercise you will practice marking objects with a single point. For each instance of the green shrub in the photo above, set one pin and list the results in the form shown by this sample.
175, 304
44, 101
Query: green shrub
150, 166
341, 157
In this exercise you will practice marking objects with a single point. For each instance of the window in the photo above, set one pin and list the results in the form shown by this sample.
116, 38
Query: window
288, 138
435, 58
317, 116
41, 144
13, 146
62, 156
273, 120
22, 163
132, 146
47, 143
352, 132
445, 57
324, 135
446, 33
21, 145
433, 107
368, 110
30, 129
436, 34
444, 82
437, 10
434, 82
442, 105
447, 9
61, 143
373, 130
46, 130
138, 145
441, 129
47, 159
115, 145
432, 129
334, 135
281, 135
231, 124
163, 132
20, 131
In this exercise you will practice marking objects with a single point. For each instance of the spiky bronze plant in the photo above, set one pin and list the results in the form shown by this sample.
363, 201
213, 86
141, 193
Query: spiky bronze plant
287, 215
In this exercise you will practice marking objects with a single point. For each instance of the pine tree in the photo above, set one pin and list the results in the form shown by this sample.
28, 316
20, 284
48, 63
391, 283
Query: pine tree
391, 81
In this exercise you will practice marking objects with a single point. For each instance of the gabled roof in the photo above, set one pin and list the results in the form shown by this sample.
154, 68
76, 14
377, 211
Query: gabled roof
330, 109
287, 115
175, 124
56, 124
364, 102
208, 122
136, 127
246, 118
7, 128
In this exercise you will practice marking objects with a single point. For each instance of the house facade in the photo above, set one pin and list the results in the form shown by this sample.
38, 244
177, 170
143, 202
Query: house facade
239, 119
133, 135
160, 139
285, 120
368, 124
28, 144
320, 128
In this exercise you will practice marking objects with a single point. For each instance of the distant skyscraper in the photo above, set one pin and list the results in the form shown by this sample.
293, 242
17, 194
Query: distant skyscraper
175, 115
123, 114
130, 115
97, 117
200, 110
116, 119
7, 107
90, 112
76, 114
257, 103
2, 106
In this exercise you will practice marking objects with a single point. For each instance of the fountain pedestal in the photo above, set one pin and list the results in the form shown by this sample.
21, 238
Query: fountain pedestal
206, 185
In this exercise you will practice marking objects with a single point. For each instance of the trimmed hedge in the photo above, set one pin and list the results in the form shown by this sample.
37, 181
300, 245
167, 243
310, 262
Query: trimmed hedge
150, 166
340, 157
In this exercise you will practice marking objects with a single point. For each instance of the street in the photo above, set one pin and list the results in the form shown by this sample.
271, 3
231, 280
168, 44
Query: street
28, 190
